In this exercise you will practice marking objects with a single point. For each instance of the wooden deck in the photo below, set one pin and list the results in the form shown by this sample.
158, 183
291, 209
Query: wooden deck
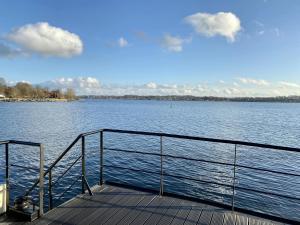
117, 205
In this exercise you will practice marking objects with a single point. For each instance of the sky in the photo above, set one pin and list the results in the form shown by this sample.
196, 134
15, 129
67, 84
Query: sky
207, 47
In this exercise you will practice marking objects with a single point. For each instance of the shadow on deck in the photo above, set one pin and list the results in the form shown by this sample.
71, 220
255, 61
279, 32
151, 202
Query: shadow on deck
118, 205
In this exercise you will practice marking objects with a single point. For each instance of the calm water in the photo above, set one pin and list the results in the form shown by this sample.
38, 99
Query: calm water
58, 124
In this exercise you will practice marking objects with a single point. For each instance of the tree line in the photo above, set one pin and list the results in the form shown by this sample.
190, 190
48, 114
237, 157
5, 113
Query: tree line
292, 98
28, 91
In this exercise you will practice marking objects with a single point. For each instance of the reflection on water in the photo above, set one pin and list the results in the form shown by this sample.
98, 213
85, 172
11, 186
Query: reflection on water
57, 125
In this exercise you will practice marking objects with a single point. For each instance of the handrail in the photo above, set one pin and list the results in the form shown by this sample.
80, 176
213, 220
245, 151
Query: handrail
28, 143
39, 181
161, 135
48, 171
24, 143
66, 171
53, 164
224, 141
202, 160
4, 142
62, 155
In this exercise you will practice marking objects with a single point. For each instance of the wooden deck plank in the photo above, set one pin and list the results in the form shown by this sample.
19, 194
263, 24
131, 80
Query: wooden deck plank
241, 219
183, 213
218, 217
159, 212
206, 216
194, 214
229, 218
254, 221
68, 206
90, 215
137, 210
170, 213
88, 205
124, 211
128, 202
147, 212
113, 205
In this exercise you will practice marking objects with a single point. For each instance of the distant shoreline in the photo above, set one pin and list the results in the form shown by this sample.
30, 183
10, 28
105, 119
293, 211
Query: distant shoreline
279, 99
35, 100
283, 99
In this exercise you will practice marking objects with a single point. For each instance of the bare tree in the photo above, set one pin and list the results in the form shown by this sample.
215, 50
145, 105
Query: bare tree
70, 94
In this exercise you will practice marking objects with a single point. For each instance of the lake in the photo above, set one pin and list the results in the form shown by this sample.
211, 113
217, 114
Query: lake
56, 125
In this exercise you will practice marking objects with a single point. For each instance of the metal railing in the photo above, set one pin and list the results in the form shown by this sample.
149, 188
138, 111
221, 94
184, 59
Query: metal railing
162, 156
49, 171
40, 180
234, 165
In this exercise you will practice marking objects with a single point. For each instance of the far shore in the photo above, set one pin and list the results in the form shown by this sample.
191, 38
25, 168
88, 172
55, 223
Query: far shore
281, 99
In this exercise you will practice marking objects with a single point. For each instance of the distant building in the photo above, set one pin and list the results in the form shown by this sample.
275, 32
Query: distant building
2, 96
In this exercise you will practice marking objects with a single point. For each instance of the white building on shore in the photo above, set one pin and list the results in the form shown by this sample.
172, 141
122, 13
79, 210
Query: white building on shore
2, 96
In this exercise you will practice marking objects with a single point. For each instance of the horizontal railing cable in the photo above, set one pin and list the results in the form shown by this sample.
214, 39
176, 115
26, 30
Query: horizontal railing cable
25, 167
170, 156
214, 140
72, 184
66, 171
132, 169
267, 170
200, 160
267, 193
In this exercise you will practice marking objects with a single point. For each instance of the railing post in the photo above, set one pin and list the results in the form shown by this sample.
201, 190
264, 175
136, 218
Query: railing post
234, 175
82, 164
101, 157
161, 190
41, 182
7, 175
50, 190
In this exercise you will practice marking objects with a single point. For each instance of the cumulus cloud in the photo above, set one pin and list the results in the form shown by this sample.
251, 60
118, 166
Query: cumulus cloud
288, 84
151, 85
7, 51
225, 24
82, 85
253, 81
173, 43
258, 88
47, 40
122, 42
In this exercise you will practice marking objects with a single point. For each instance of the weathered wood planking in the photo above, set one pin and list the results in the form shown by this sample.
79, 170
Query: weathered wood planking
113, 205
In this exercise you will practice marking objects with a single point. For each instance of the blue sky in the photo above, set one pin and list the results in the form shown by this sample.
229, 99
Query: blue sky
134, 43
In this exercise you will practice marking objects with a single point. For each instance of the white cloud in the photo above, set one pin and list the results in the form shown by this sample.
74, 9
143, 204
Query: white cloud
288, 84
173, 43
151, 85
253, 81
236, 84
258, 88
224, 24
122, 42
82, 85
47, 40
